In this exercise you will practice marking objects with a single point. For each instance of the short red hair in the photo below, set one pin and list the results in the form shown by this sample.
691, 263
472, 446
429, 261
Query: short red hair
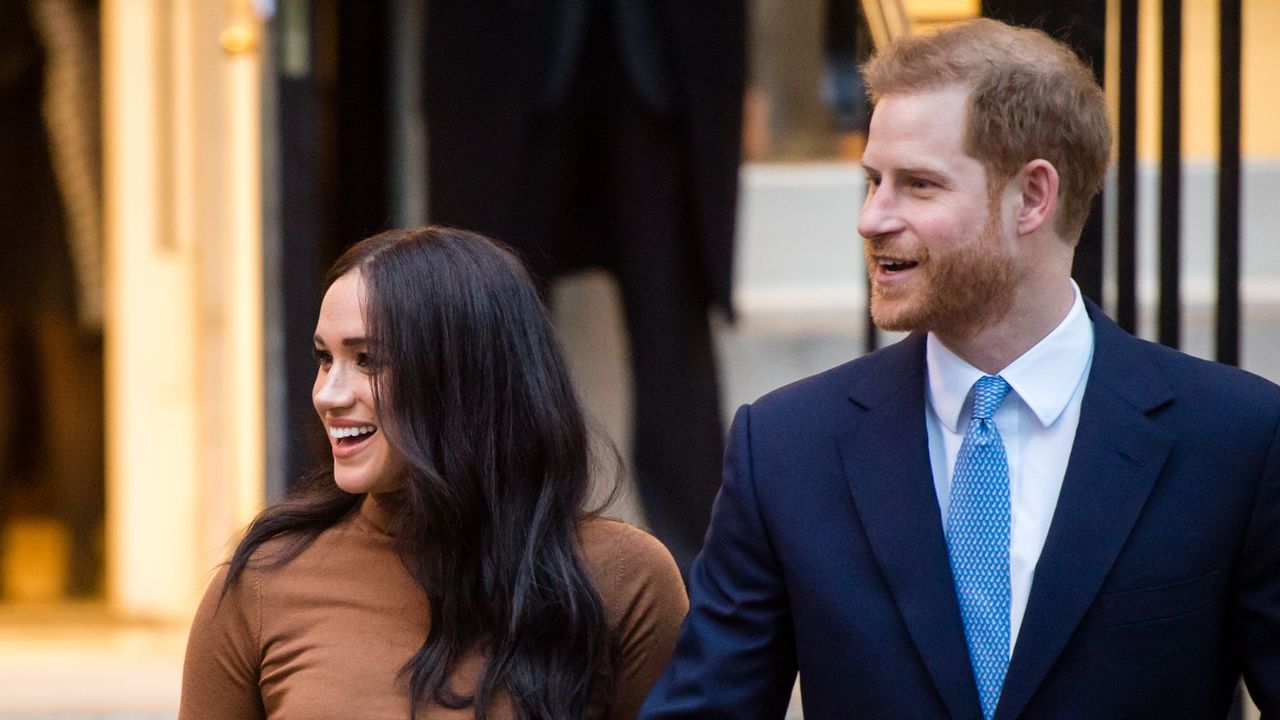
1030, 98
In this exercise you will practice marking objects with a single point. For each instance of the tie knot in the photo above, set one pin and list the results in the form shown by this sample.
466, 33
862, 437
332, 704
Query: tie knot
988, 393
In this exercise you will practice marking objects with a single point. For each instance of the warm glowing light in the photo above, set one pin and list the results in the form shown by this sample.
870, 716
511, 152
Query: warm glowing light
184, 298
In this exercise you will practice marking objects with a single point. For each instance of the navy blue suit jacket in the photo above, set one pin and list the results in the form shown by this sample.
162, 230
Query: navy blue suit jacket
1159, 582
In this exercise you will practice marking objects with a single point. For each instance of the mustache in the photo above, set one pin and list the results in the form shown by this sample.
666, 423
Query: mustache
886, 249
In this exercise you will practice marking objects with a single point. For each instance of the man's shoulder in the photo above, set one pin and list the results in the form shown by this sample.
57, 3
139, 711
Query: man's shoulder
1217, 393
1216, 387
1185, 371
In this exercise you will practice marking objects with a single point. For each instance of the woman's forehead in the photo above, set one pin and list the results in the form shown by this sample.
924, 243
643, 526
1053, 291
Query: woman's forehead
342, 310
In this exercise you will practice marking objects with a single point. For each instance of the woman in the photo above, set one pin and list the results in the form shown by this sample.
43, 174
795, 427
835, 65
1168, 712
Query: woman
442, 566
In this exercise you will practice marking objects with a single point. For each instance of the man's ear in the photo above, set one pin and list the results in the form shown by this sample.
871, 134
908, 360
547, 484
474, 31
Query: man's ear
1038, 192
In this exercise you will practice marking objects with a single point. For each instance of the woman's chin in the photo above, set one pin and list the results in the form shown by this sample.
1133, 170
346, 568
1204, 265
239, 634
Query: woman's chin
358, 483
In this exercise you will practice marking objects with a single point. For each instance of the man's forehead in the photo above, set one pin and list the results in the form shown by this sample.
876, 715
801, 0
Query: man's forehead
918, 130
928, 102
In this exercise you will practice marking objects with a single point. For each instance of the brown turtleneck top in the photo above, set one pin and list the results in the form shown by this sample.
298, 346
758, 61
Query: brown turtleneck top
326, 634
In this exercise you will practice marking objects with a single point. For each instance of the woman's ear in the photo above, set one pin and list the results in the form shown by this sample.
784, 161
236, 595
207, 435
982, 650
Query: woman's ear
1038, 192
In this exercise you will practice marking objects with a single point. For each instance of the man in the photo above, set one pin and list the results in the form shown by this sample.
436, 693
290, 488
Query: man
1018, 511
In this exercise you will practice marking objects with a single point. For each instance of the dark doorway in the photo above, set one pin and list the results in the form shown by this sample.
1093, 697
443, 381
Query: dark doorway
51, 412
333, 80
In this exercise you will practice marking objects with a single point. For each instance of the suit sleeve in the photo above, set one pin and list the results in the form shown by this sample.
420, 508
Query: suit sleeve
220, 672
735, 657
1258, 591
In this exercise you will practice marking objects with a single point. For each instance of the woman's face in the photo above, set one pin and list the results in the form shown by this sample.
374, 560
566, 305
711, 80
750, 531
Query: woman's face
363, 461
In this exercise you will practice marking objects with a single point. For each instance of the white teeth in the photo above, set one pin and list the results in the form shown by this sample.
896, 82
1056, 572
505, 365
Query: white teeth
888, 262
346, 432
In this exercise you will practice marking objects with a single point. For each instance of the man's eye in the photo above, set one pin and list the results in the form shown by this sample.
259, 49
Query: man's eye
921, 184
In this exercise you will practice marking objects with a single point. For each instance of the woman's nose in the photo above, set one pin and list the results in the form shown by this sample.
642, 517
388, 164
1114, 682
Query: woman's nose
333, 390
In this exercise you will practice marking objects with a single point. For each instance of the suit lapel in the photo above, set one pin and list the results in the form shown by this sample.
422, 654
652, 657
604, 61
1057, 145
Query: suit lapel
886, 460
1115, 459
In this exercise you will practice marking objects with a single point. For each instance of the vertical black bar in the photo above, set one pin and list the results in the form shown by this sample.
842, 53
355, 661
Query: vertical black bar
1126, 171
301, 157
1170, 332
308, 194
1086, 269
1228, 324
362, 112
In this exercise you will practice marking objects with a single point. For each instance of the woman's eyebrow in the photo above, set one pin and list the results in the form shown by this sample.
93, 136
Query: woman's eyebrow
347, 342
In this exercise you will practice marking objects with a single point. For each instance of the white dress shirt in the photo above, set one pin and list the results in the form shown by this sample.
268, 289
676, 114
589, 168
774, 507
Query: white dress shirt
1037, 422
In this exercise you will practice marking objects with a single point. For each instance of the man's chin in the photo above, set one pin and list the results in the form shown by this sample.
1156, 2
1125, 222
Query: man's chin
896, 319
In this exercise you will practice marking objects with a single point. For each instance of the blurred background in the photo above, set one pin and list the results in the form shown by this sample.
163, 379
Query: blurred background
175, 175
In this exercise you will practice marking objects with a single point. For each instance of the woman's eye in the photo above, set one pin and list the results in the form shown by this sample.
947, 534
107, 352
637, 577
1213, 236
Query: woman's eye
365, 360
323, 358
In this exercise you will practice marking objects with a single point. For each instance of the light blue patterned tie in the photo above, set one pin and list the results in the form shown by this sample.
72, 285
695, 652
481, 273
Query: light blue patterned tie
978, 540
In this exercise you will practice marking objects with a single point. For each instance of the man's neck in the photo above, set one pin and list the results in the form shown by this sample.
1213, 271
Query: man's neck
1030, 318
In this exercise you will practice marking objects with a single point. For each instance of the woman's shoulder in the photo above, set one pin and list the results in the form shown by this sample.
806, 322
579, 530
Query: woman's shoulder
644, 603
610, 545
294, 565
274, 555
631, 568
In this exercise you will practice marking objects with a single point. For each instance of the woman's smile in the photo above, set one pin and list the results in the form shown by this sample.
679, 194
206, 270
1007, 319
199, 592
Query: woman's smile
348, 440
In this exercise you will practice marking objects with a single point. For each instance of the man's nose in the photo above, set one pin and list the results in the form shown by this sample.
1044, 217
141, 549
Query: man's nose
879, 216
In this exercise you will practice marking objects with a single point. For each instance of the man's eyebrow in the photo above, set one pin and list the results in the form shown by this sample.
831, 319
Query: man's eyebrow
909, 170
923, 170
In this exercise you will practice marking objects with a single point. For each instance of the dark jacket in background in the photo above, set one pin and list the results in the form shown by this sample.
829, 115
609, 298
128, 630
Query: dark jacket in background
606, 133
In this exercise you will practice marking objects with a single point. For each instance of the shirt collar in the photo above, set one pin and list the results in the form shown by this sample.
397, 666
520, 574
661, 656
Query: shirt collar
1044, 377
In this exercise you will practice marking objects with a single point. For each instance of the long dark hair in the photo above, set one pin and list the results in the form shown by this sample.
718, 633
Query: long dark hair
473, 392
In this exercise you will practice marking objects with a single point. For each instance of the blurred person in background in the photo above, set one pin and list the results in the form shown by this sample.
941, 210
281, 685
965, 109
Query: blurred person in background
607, 134
441, 564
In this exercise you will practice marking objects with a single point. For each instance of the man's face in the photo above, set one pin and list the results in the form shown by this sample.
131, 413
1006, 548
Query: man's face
939, 256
